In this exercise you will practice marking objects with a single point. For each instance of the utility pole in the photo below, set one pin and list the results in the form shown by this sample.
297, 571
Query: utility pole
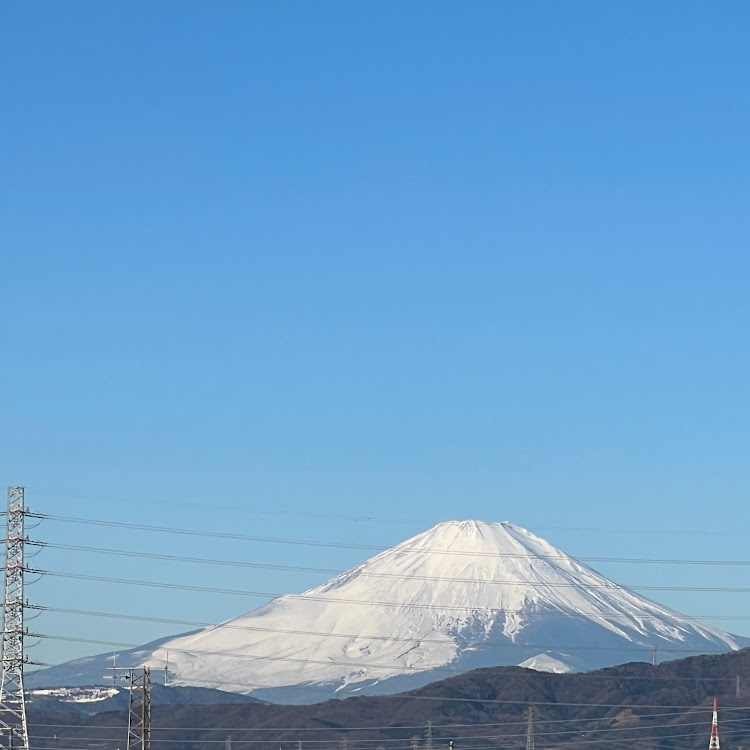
655, 655
429, 735
228, 743
737, 687
13, 725
139, 709
530, 730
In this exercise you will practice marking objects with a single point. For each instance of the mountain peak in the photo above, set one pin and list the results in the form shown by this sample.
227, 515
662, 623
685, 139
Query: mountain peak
479, 549
474, 532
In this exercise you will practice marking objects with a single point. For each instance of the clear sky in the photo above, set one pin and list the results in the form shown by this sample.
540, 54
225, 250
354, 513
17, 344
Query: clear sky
280, 267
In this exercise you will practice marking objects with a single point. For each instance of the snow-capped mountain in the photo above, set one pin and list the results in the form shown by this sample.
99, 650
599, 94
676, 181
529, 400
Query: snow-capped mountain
461, 595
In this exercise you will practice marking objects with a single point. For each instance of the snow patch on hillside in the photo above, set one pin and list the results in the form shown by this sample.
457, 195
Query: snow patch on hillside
546, 663
77, 695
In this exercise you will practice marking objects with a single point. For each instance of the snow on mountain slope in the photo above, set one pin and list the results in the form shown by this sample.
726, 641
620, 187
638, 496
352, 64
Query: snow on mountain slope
461, 595
77, 695
459, 590
546, 663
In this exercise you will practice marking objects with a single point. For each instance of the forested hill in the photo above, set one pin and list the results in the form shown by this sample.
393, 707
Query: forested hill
666, 706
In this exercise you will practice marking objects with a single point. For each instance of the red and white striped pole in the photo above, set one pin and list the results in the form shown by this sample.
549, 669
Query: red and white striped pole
714, 743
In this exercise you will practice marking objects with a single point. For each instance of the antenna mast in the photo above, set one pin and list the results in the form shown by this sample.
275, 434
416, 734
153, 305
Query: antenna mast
13, 723
714, 743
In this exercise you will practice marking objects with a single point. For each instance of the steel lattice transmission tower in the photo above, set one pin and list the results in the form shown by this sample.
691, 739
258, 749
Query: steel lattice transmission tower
13, 726
714, 742
530, 730
139, 711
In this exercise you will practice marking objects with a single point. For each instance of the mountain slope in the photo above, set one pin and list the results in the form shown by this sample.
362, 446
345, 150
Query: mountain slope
461, 595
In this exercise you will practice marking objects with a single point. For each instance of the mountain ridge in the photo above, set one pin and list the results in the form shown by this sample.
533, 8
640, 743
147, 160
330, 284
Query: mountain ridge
663, 707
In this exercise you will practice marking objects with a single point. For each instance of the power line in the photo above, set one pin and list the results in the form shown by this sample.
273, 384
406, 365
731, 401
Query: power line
204, 533
249, 657
372, 547
307, 597
696, 710
250, 628
398, 605
181, 558
364, 741
324, 662
339, 571
384, 740
527, 702
336, 729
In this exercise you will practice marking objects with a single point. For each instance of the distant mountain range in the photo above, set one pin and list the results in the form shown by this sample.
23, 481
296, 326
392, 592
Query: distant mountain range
462, 595
667, 707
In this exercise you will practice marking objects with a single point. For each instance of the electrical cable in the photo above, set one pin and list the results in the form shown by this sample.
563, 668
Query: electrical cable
326, 662
359, 742
372, 547
524, 722
399, 605
337, 571
120, 644
435, 727
228, 626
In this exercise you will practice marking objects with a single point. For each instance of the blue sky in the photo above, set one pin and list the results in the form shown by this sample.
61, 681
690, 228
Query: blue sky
273, 267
